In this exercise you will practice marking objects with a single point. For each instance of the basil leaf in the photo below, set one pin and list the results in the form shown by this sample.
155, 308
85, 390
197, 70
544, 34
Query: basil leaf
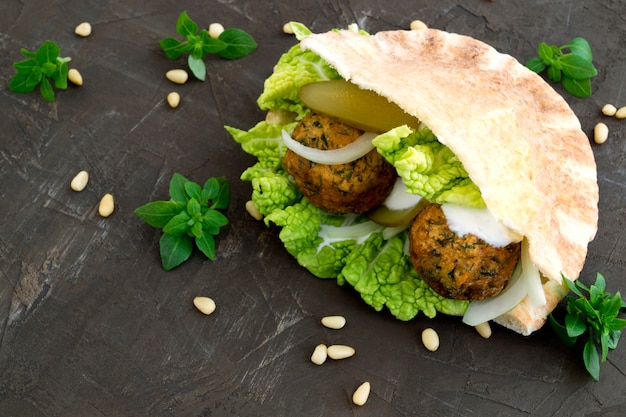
177, 188
577, 88
592, 362
561, 331
206, 244
178, 224
577, 67
580, 47
600, 282
28, 53
211, 45
196, 230
546, 53
157, 213
171, 47
193, 207
239, 43
575, 326
193, 190
213, 218
47, 52
25, 65
536, 65
185, 26
614, 338
19, 83
60, 76
197, 67
174, 250
554, 74
46, 90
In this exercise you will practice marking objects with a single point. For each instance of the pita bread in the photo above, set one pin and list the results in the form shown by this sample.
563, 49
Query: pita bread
518, 139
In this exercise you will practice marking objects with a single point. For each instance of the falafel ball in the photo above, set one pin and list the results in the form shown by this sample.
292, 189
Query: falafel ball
459, 267
354, 187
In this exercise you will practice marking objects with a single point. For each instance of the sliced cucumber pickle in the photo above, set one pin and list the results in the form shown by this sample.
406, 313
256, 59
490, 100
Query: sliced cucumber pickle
352, 105
387, 217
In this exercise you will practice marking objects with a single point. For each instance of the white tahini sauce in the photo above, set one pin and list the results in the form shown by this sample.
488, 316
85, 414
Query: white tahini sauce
479, 222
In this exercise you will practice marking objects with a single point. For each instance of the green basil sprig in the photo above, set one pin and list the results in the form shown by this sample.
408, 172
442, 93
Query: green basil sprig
231, 44
574, 69
594, 313
42, 68
191, 215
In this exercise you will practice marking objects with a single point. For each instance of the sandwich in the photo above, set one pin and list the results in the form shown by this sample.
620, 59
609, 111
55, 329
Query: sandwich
461, 182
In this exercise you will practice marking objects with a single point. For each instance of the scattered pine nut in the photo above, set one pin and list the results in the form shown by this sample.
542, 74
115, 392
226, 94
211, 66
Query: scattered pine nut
340, 351
600, 133
79, 182
430, 339
107, 205
83, 29
418, 25
74, 76
484, 329
334, 322
178, 76
287, 29
361, 394
609, 110
173, 99
319, 354
205, 305
215, 30
621, 113
253, 211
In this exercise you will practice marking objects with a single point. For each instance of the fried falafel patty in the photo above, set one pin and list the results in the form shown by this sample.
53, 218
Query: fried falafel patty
459, 267
354, 187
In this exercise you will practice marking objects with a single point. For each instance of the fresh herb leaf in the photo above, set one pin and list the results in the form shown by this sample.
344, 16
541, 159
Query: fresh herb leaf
174, 250
40, 68
191, 215
574, 69
231, 44
239, 44
592, 312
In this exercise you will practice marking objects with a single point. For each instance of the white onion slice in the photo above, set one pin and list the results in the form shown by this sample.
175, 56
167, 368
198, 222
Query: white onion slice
348, 153
349, 232
480, 311
531, 275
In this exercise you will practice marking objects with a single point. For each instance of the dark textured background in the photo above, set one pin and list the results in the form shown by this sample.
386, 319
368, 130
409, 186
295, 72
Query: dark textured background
90, 325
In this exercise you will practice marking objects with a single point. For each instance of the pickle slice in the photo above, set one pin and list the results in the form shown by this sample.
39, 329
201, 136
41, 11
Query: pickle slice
387, 217
352, 105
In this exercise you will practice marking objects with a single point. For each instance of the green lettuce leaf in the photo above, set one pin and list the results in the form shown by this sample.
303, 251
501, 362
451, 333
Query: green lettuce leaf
384, 276
294, 69
428, 167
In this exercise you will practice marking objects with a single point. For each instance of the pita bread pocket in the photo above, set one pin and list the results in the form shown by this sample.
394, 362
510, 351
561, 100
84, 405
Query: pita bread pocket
517, 138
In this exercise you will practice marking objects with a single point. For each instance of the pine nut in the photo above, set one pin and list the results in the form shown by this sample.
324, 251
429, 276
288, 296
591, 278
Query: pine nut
107, 205
74, 76
334, 322
430, 339
340, 351
361, 394
79, 182
484, 329
215, 30
319, 354
418, 25
83, 29
173, 99
609, 110
621, 113
600, 133
253, 211
178, 76
287, 29
205, 305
